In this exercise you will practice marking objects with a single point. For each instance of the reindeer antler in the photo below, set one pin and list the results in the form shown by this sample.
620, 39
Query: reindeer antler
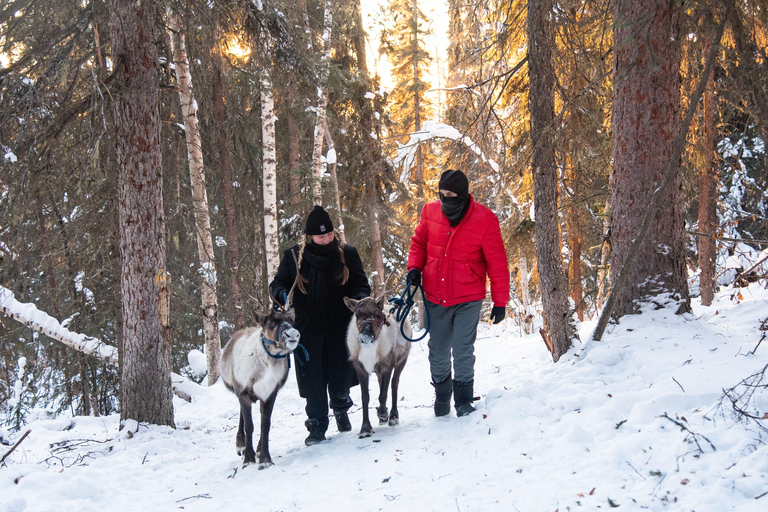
289, 300
242, 289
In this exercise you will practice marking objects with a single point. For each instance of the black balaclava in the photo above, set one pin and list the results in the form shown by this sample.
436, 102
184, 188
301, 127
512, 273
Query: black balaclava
454, 207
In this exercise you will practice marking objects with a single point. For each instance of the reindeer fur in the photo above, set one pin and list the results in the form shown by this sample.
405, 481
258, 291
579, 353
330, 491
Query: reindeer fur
376, 346
253, 375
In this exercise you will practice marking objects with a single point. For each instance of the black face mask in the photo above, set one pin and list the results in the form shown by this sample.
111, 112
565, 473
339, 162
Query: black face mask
454, 207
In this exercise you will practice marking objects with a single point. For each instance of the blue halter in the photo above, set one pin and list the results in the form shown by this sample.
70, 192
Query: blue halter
266, 342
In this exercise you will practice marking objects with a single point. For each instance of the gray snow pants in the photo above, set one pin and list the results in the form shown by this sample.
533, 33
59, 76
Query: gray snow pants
453, 329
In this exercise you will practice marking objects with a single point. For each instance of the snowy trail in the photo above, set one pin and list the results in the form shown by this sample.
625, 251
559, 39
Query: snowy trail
587, 433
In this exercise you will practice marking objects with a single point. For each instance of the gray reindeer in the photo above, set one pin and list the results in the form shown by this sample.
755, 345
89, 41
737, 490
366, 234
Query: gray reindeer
254, 366
375, 346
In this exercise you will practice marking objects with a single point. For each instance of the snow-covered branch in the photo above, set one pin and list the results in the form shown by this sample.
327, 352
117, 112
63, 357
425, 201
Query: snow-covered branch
432, 130
29, 315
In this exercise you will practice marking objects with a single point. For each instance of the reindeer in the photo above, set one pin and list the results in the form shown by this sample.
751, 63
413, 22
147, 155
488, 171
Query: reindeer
376, 346
254, 366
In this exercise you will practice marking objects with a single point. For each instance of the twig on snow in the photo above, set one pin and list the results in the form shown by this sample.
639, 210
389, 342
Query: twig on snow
2, 461
691, 433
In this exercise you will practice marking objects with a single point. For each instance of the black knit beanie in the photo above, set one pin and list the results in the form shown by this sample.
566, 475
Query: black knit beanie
455, 181
318, 222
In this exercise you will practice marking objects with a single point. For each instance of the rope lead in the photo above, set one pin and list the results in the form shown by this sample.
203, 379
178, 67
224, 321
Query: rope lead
401, 307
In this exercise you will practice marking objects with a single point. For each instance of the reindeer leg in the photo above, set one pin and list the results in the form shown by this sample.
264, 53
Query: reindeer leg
240, 439
382, 411
366, 430
265, 460
245, 413
394, 416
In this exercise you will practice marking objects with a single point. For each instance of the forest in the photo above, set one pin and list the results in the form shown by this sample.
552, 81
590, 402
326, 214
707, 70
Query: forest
157, 157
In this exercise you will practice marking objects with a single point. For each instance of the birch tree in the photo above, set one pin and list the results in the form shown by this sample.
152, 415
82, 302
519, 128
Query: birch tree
322, 105
199, 199
269, 169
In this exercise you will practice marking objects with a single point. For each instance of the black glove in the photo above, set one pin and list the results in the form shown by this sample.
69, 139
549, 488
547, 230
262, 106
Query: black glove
414, 277
281, 297
498, 313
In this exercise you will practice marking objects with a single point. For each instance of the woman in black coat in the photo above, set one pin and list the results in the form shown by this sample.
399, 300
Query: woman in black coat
330, 271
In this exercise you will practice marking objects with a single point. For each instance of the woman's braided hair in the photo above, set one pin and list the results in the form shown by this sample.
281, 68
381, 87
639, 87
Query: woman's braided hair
306, 239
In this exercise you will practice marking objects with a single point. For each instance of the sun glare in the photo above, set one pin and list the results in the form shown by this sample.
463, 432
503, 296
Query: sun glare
236, 48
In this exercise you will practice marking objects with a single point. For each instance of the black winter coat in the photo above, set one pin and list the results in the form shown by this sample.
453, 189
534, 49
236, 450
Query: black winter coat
328, 335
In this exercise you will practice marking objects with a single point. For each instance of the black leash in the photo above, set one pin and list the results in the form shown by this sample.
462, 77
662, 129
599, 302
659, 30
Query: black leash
401, 307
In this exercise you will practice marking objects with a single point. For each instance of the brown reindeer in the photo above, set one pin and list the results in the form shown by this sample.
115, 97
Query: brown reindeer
376, 346
254, 366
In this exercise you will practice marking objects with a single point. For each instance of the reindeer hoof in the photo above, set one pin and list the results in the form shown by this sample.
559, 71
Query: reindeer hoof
383, 415
365, 433
394, 420
265, 464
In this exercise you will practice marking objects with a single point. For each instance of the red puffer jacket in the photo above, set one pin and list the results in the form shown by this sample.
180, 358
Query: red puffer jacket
455, 260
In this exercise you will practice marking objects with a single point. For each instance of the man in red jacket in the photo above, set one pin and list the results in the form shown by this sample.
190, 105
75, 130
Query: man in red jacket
456, 244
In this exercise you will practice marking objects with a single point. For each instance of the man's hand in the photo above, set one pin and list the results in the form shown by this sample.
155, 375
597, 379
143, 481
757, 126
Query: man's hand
498, 313
414, 277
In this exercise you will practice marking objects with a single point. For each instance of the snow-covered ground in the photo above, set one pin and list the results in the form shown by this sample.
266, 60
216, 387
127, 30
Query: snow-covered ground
631, 421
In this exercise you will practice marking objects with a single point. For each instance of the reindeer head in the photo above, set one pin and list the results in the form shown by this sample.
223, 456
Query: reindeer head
369, 317
279, 329
278, 325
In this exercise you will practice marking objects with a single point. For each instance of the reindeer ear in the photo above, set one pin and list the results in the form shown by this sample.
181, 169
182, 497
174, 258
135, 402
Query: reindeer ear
380, 302
261, 318
351, 303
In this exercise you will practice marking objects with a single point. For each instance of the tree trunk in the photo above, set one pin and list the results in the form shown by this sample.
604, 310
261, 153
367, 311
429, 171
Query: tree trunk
524, 292
322, 105
417, 104
646, 120
294, 153
199, 200
559, 330
574, 238
335, 181
370, 160
269, 167
605, 254
145, 373
228, 195
708, 185
661, 192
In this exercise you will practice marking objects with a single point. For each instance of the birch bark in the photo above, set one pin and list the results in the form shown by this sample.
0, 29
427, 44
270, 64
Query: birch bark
199, 199
322, 105
269, 170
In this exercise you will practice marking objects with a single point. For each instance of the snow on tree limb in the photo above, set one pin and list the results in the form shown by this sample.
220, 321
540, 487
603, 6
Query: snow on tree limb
432, 130
29, 315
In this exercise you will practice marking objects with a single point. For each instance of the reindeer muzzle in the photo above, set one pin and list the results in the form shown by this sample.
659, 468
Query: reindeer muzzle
289, 337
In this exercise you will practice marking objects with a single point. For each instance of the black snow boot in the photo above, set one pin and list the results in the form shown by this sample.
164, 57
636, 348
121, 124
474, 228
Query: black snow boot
316, 432
342, 422
463, 396
443, 397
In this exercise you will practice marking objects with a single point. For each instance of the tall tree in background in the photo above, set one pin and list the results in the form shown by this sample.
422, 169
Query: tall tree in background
646, 121
322, 105
207, 268
227, 192
403, 42
269, 162
145, 376
559, 331
708, 185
